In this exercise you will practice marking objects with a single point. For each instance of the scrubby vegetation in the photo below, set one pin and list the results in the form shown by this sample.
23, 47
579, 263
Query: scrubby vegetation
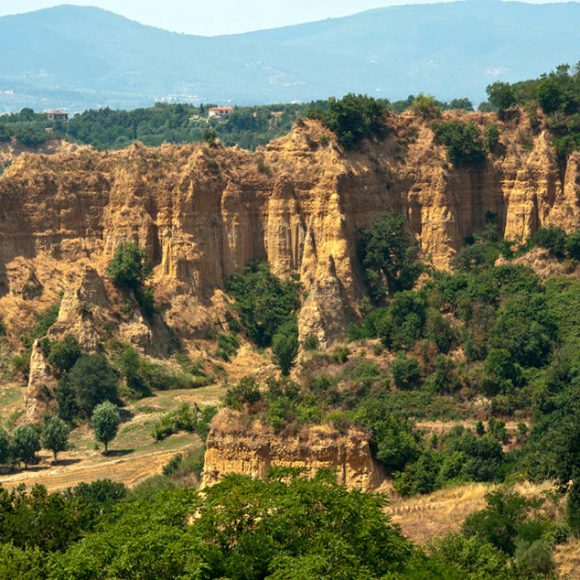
285, 527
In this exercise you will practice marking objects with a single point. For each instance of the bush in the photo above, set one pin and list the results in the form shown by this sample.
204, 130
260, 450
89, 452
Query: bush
463, 142
573, 508
245, 393
406, 372
353, 118
227, 346
129, 267
491, 137
535, 559
553, 239
285, 346
4, 446
311, 342
573, 245
263, 302
63, 355
105, 422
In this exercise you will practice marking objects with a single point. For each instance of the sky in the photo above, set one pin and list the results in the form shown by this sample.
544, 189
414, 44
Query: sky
222, 17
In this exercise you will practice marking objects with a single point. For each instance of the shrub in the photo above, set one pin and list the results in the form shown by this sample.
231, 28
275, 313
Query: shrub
129, 267
553, 239
263, 302
573, 245
246, 392
227, 346
285, 346
573, 508
491, 137
105, 422
4, 446
535, 559
311, 342
63, 355
353, 118
341, 354
406, 372
463, 142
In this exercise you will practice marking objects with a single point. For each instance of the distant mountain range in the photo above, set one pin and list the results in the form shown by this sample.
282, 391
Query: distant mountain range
78, 58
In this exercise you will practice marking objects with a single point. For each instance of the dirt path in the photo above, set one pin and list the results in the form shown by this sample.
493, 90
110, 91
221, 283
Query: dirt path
128, 468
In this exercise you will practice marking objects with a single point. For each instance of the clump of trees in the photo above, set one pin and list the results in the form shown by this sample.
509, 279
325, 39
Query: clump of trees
353, 118
463, 142
265, 312
389, 256
129, 268
26, 441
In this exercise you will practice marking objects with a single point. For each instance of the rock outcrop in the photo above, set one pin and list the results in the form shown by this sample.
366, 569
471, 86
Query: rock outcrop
235, 446
203, 212
39, 397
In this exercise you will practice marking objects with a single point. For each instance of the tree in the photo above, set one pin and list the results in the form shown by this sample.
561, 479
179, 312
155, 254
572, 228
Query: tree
573, 508
63, 355
389, 256
462, 141
406, 372
285, 346
129, 267
553, 239
573, 245
105, 423
246, 392
501, 95
263, 301
55, 436
353, 118
91, 381
4, 446
25, 444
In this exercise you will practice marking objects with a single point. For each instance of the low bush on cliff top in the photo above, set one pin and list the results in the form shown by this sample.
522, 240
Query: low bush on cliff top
463, 142
352, 118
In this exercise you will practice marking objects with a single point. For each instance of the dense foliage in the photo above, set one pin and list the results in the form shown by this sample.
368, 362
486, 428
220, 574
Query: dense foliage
352, 118
264, 303
463, 142
558, 96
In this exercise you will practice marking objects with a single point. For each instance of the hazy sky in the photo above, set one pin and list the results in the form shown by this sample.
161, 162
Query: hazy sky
219, 17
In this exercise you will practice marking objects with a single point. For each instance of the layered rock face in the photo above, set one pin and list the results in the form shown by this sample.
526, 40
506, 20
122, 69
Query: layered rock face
252, 449
203, 212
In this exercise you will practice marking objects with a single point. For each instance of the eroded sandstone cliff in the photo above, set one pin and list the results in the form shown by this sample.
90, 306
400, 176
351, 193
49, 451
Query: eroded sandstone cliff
203, 212
237, 446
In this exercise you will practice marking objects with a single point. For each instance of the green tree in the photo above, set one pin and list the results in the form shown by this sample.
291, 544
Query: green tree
129, 267
573, 245
63, 355
246, 392
553, 239
462, 141
501, 95
90, 382
573, 508
389, 256
105, 423
406, 372
25, 444
285, 346
55, 436
4, 446
263, 301
353, 118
